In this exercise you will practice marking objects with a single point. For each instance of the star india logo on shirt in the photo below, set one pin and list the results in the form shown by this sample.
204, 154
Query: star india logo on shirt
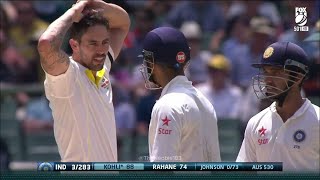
301, 19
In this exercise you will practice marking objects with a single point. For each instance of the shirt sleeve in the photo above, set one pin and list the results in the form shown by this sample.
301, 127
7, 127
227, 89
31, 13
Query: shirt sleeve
165, 122
61, 86
247, 151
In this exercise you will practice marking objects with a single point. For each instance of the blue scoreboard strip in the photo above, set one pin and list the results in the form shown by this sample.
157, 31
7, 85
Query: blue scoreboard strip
160, 166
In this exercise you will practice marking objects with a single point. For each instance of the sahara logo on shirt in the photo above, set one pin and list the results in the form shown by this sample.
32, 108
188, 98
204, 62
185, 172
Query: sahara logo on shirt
105, 83
165, 122
262, 133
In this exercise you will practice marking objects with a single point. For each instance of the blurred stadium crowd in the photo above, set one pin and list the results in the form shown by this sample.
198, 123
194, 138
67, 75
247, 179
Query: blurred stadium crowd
225, 38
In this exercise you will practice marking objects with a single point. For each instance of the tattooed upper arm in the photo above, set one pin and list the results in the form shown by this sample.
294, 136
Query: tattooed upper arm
55, 62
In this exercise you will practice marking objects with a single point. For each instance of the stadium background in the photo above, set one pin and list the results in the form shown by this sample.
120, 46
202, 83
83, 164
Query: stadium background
238, 30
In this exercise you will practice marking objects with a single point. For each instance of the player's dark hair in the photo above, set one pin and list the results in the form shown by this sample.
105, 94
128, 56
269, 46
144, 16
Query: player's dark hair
90, 19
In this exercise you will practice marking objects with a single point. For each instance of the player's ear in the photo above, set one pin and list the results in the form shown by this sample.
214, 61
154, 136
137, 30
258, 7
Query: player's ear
74, 44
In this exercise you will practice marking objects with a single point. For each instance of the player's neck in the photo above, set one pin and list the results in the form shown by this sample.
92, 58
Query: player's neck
167, 78
291, 104
77, 58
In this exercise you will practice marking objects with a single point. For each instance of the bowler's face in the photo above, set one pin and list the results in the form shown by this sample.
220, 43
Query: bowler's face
94, 46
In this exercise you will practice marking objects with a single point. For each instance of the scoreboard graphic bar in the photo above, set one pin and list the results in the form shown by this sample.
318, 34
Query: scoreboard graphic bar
160, 166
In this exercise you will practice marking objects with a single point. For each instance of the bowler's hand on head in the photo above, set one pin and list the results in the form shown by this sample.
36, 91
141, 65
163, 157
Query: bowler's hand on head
78, 10
93, 5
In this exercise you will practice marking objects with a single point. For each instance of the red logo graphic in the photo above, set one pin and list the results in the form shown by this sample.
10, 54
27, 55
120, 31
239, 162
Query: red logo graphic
164, 131
262, 131
263, 141
105, 83
165, 121
181, 57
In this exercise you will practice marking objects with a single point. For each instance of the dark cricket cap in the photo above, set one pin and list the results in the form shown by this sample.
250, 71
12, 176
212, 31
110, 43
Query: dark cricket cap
168, 45
278, 54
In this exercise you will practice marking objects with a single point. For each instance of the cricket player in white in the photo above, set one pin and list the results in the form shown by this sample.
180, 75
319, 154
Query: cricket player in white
78, 87
183, 123
288, 130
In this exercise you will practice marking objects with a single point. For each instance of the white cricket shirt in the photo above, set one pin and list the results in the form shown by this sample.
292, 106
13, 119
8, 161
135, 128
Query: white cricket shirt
183, 125
295, 142
83, 113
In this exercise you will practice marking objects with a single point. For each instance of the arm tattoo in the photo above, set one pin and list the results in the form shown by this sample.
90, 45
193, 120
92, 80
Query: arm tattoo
53, 55
60, 57
58, 32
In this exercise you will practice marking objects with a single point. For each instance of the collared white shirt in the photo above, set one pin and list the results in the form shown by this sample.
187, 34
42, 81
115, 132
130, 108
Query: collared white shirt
183, 125
295, 142
84, 123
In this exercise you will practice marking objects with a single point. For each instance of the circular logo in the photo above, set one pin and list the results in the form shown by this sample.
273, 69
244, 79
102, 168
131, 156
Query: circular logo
299, 136
45, 166
181, 57
268, 52
301, 19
